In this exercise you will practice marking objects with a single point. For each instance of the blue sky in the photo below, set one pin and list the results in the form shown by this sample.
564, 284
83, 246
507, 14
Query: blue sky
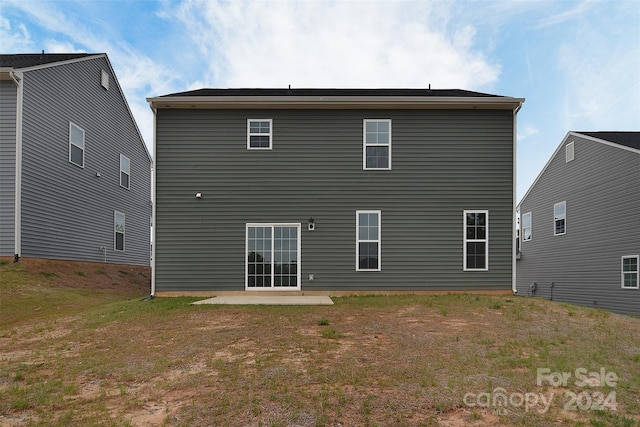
577, 63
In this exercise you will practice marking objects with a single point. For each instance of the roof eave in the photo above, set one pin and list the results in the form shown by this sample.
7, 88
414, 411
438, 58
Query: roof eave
333, 102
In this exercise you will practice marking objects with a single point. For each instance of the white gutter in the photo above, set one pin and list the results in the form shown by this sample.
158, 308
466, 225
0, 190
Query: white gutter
514, 289
18, 79
337, 102
153, 208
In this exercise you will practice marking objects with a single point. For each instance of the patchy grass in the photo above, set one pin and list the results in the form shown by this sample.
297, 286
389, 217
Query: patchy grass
106, 358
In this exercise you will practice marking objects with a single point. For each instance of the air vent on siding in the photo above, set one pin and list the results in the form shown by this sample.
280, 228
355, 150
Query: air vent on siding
105, 80
569, 152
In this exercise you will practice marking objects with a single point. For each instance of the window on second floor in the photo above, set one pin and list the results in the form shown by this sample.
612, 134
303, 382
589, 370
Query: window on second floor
259, 134
560, 218
376, 152
125, 171
76, 145
526, 227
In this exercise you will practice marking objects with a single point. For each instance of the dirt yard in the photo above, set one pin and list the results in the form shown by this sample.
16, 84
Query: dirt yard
80, 346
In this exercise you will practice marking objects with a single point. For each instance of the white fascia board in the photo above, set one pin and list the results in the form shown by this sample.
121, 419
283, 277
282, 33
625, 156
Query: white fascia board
605, 142
336, 102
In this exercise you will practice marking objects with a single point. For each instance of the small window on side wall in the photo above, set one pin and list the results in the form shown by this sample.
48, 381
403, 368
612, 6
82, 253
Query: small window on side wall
630, 272
119, 230
526, 227
560, 218
259, 134
125, 171
76, 145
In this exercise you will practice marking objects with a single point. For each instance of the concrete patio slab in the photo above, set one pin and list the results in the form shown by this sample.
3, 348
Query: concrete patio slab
269, 300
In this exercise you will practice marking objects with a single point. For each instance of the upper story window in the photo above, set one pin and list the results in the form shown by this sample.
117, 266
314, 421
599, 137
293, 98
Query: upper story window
368, 242
476, 240
118, 228
526, 227
259, 134
376, 153
76, 145
560, 218
125, 171
104, 79
630, 271
569, 152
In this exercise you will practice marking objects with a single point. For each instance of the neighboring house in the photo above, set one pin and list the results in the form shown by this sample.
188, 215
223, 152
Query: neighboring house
75, 177
329, 190
580, 228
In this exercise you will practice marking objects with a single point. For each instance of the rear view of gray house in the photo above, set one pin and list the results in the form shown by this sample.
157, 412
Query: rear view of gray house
75, 175
580, 228
333, 190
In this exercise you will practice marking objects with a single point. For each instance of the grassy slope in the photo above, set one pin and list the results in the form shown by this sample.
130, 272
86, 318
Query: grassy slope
71, 354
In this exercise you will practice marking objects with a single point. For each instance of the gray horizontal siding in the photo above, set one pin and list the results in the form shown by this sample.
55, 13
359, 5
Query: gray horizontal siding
67, 211
8, 95
443, 163
601, 190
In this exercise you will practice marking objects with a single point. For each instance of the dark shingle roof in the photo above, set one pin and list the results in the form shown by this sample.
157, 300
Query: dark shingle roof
24, 60
332, 92
628, 139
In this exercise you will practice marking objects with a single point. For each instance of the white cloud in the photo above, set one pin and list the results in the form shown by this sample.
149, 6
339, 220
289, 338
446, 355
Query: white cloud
527, 131
14, 38
334, 44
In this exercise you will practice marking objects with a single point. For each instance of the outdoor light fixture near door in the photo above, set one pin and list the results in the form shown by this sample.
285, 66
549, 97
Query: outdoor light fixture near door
198, 195
311, 225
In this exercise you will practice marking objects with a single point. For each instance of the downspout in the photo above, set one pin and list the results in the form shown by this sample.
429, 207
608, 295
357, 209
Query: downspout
17, 246
513, 211
153, 207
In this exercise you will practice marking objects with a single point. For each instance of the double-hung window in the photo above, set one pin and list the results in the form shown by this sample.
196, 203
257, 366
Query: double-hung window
526, 227
259, 134
368, 240
476, 240
376, 152
118, 228
125, 171
76, 145
630, 271
560, 218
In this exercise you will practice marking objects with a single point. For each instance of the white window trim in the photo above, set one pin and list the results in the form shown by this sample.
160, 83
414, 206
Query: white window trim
560, 217
364, 144
128, 173
569, 152
104, 79
379, 240
115, 231
622, 272
71, 126
530, 227
465, 241
246, 261
249, 134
